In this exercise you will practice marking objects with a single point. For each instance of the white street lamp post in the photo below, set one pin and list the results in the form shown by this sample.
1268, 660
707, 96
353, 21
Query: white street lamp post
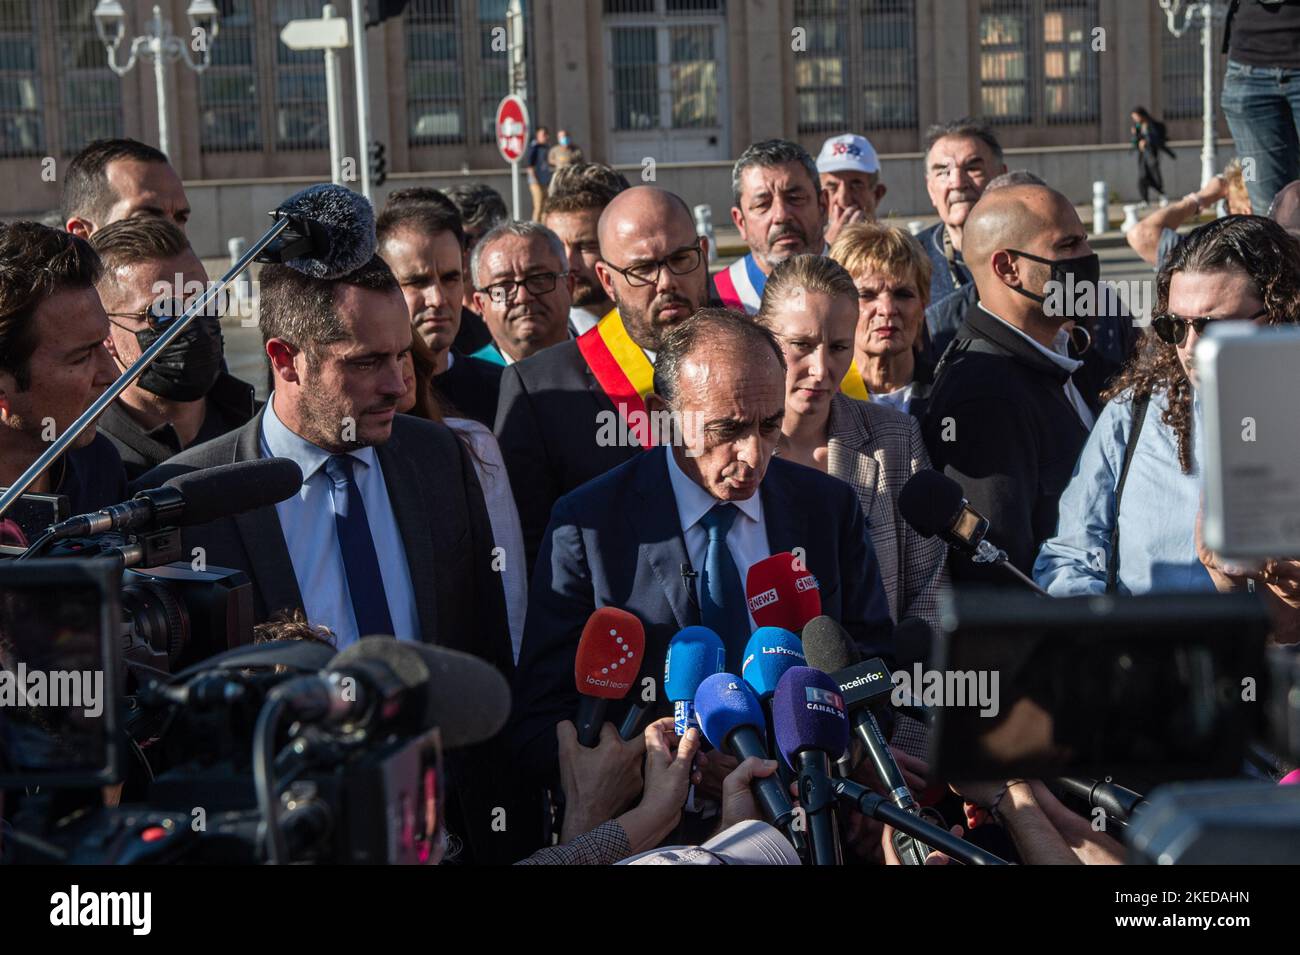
1205, 13
160, 45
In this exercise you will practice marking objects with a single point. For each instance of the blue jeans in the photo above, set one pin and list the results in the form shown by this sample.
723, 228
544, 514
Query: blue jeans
1262, 105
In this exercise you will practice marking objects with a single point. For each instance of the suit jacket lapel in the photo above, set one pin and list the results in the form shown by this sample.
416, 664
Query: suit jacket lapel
656, 526
263, 538
783, 534
418, 531
847, 456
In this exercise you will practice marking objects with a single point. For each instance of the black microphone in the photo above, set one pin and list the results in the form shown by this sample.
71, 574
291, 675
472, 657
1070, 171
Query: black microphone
829, 648
194, 498
1116, 801
331, 232
934, 506
915, 827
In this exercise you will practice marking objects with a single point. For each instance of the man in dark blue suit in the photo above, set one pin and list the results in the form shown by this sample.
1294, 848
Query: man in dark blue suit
670, 534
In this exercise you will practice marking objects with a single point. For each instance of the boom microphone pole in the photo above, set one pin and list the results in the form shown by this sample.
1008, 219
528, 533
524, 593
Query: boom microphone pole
307, 230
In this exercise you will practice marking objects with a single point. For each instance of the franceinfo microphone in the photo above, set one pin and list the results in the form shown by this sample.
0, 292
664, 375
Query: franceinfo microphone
325, 231
812, 730
732, 720
198, 497
934, 506
694, 654
782, 592
605, 667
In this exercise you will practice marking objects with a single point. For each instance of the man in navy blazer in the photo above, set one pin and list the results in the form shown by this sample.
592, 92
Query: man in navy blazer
642, 537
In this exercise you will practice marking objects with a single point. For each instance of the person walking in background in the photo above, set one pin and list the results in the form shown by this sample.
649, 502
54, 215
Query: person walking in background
1148, 138
538, 163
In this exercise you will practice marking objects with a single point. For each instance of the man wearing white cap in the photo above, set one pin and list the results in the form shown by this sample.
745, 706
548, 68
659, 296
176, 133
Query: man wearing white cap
850, 177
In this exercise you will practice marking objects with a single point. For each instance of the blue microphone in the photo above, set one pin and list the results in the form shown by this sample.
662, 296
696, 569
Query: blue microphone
732, 720
770, 652
695, 653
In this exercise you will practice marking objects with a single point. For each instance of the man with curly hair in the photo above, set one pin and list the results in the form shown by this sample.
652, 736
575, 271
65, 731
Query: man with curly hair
1147, 441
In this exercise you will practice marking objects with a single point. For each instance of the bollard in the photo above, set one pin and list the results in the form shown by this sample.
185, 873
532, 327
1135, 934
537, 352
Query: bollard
916, 226
1130, 217
1100, 208
704, 227
237, 247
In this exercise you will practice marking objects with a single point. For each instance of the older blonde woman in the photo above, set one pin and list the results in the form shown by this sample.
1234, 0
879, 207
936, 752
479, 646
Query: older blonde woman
891, 274
811, 304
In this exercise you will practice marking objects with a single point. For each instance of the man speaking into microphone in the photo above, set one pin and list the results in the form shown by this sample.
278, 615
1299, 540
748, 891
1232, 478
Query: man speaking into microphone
671, 534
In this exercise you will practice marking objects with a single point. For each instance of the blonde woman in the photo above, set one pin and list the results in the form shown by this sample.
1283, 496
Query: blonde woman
891, 275
811, 304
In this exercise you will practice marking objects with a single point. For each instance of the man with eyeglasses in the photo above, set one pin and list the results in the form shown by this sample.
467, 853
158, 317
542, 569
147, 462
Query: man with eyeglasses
523, 288
961, 157
1006, 420
185, 397
575, 411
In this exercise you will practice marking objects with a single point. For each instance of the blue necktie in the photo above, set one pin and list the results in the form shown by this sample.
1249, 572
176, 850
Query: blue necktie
722, 597
360, 562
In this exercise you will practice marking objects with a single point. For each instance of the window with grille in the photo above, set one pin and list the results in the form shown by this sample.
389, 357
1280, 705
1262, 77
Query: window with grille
435, 92
90, 93
301, 112
229, 109
22, 132
1181, 71
1036, 62
858, 68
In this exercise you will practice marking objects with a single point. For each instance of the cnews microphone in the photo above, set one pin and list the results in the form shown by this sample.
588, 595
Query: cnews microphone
695, 653
732, 720
933, 505
812, 729
608, 660
830, 649
782, 592
194, 498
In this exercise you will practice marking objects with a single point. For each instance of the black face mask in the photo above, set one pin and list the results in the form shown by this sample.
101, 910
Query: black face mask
186, 369
1070, 274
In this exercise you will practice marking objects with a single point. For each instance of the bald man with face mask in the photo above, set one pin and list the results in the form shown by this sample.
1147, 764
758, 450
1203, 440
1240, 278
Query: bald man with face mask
1006, 420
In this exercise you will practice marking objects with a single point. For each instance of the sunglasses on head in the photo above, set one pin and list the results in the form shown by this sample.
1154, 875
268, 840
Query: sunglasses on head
1173, 328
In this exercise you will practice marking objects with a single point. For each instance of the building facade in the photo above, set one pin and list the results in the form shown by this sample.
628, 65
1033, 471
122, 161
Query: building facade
676, 81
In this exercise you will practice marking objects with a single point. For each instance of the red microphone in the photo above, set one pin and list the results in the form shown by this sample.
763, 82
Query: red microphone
782, 592
608, 660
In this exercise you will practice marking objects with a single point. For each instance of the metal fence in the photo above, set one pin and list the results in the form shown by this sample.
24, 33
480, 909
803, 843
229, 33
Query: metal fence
229, 108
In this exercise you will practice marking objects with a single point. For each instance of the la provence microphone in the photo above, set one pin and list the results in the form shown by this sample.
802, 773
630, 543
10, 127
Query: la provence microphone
194, 498
934, 506
772, 651
732, 720
782, 592
693, 654
812, 729
607, 662
830, 649
331, 232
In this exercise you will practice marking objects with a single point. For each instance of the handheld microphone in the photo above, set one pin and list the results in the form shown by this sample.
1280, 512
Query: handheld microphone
608, 660
693, 654
331, 232
782, 592
1116, 801
770, 652
830, 649
812, 729
934, 506
913, 826
732, 720
194, 498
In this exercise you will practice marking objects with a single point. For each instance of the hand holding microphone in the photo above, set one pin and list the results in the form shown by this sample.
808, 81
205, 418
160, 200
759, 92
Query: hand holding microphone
605, 666
598, 782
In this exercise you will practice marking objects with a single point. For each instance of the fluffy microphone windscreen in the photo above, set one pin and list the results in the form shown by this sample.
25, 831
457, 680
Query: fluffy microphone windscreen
695, 653
770, 652
828, 646
808, 713
929, 502
342, 227
723, 704
782, 592
609, 654
229, 489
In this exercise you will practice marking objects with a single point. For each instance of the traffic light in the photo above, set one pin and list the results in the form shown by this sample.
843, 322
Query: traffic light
377, 11
378, 163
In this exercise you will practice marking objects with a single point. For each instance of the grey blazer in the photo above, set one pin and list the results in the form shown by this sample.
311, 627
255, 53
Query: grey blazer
876, 449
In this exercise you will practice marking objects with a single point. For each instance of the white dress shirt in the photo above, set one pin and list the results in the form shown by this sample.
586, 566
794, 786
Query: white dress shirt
307, 521
582, 319
747, 539
507, 532
1059, 354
